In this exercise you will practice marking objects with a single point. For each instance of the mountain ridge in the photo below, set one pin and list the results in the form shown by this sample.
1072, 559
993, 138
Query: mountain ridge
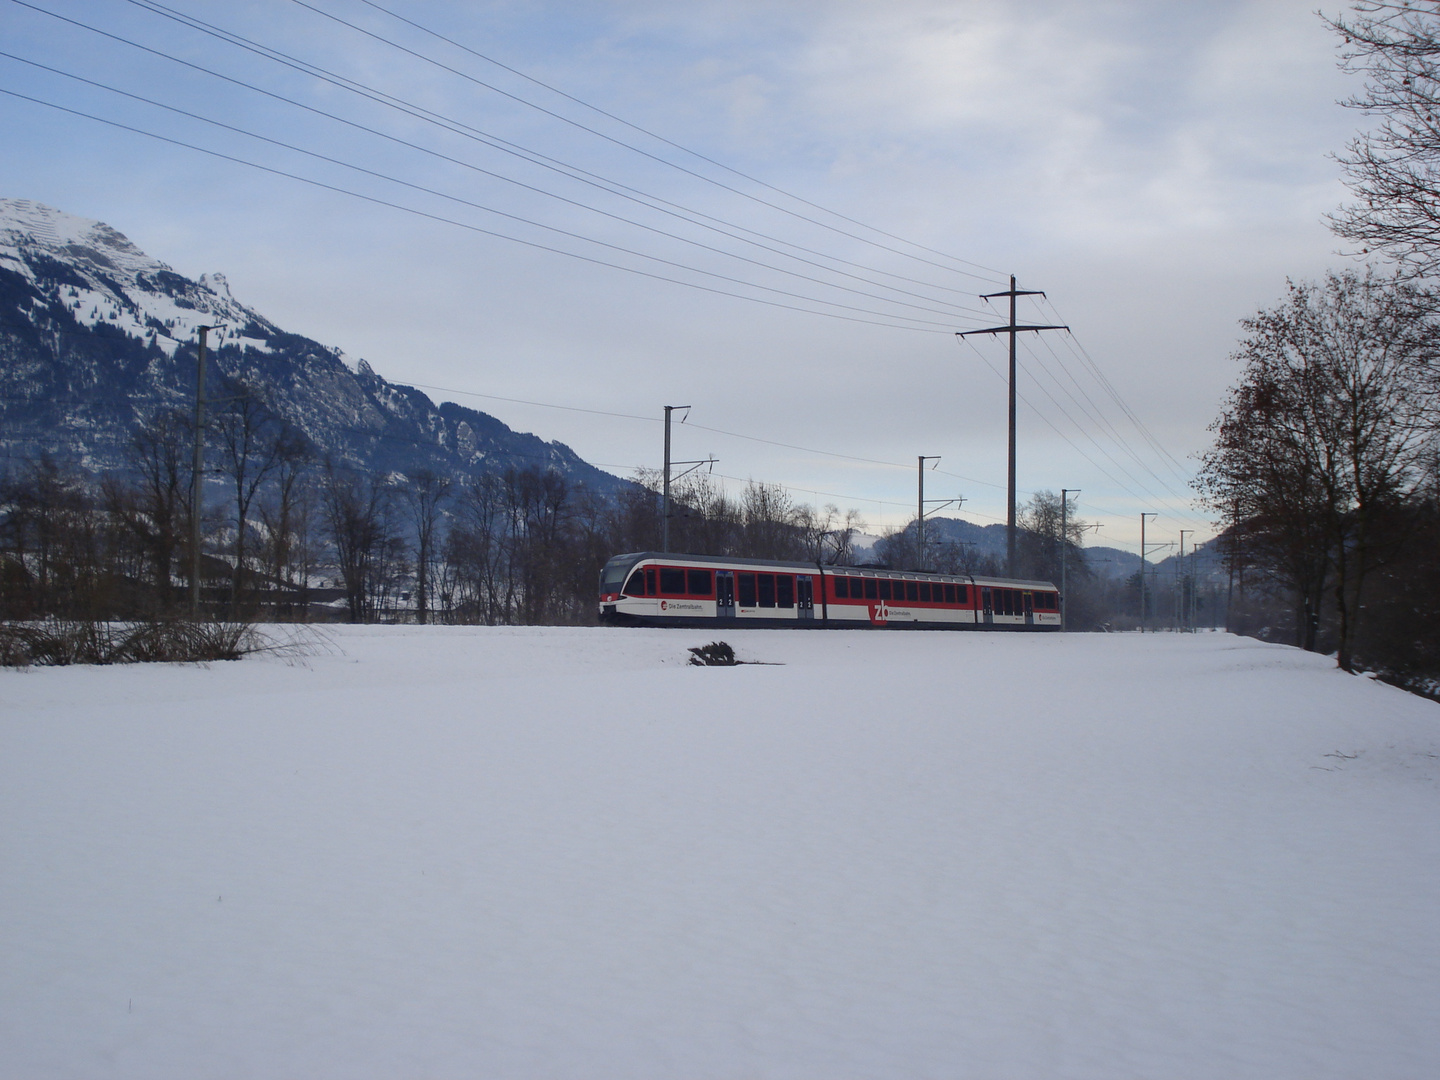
96, 336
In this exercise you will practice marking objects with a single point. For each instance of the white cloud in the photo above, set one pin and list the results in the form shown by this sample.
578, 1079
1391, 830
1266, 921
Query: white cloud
1159, 168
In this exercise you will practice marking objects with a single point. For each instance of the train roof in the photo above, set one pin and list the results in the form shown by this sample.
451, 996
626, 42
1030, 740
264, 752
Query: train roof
801, 566
687, 559
968, 579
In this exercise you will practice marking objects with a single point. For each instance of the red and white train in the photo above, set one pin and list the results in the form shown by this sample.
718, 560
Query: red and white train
652, 589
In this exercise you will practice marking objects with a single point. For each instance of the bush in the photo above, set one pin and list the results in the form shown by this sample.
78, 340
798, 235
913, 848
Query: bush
90, 641
716, 654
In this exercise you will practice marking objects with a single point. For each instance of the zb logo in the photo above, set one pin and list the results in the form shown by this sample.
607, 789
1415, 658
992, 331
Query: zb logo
880, 613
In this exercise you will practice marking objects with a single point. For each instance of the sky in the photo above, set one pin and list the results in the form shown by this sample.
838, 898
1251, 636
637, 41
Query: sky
571, 215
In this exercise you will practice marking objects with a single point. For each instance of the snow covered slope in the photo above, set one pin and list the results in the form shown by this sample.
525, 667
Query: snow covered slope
459, 852
96, 336
113, 284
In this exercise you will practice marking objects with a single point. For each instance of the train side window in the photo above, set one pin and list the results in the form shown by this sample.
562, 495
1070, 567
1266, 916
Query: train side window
745, 584
672, 581
766, 588
912, 591
842, 588
962, 594
650, 589
784, 590
857, 588
700, 583
925, 592
872, 589
885, 590
949, 593
636, 585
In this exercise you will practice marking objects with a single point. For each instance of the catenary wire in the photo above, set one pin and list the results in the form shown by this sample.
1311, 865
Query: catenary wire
969, 480
465, 225
1062, 435
620, 142
1114, 394
1096, 414
1040, 366
644, 131
515, 217
494, 142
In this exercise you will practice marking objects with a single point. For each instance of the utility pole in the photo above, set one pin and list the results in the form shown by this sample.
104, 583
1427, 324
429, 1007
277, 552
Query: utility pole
920, 460
1012, 328
920, 510
1182, 609
665, 515
1064, 545
1142, 570
197, 474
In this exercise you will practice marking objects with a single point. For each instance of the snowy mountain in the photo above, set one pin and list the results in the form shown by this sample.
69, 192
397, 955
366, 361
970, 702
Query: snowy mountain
96, 336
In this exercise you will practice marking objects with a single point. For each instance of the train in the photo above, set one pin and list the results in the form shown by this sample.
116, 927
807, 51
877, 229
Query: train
651, 588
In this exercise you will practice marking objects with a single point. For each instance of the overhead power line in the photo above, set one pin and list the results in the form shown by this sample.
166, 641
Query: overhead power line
494, 142
1072, 399
991, 271
477, 228
952, 311
516, 217
620, 142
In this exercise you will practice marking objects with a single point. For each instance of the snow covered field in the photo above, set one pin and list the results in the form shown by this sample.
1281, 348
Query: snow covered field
522, 853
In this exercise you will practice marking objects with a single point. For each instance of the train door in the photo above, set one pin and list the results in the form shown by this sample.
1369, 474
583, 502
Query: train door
805, 597
1029, 609
987, 606
724, 594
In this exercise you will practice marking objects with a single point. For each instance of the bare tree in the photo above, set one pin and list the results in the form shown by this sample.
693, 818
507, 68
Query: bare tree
54, 530
1325, 433
1394, 171
898, 548
155, 508
254, 444
770, 530
1042, 521
425, 494
356, 508
287, 515
828, 536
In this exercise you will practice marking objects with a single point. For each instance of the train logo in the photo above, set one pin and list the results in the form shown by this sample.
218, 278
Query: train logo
663, 605
880, 613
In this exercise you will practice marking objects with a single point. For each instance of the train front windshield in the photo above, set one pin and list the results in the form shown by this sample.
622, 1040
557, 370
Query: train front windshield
613, 576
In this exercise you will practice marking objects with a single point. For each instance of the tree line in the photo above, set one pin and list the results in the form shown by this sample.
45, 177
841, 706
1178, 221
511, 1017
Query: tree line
1325, 465
288, 534
1324, 473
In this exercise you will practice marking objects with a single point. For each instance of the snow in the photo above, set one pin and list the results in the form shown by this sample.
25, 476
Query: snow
105, 258
478, 852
